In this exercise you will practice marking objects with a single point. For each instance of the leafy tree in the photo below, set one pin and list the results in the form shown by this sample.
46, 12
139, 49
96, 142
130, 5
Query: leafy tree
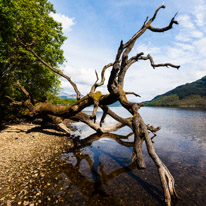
29, 22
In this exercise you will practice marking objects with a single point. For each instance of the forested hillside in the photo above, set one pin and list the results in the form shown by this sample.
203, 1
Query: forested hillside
188, 95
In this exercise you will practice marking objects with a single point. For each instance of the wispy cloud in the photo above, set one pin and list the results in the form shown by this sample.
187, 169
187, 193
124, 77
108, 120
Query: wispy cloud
66, 21
200, 13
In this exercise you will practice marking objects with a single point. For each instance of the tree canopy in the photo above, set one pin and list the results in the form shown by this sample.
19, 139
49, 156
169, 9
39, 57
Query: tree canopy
29, 22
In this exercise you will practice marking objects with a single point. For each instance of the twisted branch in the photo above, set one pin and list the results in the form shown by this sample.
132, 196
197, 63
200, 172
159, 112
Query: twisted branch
173, 21
149, 57
28, 48
95, 85
137, 95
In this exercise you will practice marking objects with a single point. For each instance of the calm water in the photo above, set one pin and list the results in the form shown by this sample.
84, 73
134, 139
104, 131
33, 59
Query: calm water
100, 172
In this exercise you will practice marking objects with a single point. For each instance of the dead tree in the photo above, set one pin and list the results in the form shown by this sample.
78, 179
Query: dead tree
115, 85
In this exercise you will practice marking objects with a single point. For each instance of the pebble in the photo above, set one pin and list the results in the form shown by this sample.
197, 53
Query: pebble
25, 163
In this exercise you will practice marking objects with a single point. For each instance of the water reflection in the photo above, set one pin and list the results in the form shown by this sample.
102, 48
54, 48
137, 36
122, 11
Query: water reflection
101, 173
94, 171
97, 170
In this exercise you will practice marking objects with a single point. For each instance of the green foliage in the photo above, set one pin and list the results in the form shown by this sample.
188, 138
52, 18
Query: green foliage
195, 88
188, 95
29, 21
170, 100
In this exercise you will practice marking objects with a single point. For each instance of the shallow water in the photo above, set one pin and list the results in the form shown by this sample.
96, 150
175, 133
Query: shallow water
99, 170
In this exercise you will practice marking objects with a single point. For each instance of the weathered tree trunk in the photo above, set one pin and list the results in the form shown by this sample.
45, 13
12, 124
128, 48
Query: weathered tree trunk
121, 64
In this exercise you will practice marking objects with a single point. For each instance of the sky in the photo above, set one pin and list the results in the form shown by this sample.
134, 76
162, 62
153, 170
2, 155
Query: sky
94, 29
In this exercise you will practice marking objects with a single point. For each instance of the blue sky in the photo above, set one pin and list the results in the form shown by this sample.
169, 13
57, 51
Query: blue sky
95, 28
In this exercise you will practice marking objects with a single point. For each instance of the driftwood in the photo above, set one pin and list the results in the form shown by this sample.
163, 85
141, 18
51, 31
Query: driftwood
57, 113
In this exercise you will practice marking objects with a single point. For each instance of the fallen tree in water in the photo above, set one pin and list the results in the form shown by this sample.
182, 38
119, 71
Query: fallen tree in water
57, 113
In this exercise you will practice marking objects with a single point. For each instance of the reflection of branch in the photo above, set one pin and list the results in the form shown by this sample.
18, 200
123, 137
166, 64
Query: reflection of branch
96, 189
82, 143
87, 187
92, 190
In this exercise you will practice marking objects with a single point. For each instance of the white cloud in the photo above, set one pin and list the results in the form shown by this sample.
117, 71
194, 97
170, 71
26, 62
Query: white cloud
200, 14
84, 78
182, 37
189, 29
66, 21
147, 49
197, 34
185, 46
185, 21
201, 47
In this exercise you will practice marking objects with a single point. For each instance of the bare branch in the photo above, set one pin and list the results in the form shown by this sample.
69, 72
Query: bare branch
135, 58
28, 103
128, 47
13, 102
143, 29
173, 21
158, 65
152, 129
112, 83
145, 21
64, 128
86, 119
105, 109
167, 180
119, 52
126, 67
138, 139
137, 95
23, 89
155, 14
125, 64
52, 68
103, 72
94, 113
96, 76
127, 121
95, 85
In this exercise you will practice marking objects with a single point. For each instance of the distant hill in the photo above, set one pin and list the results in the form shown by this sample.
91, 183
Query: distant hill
188, 95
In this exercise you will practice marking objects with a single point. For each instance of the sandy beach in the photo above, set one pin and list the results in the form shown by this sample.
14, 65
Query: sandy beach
28, 153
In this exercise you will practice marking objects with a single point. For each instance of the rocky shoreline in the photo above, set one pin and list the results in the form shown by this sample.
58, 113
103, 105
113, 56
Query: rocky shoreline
29, 154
